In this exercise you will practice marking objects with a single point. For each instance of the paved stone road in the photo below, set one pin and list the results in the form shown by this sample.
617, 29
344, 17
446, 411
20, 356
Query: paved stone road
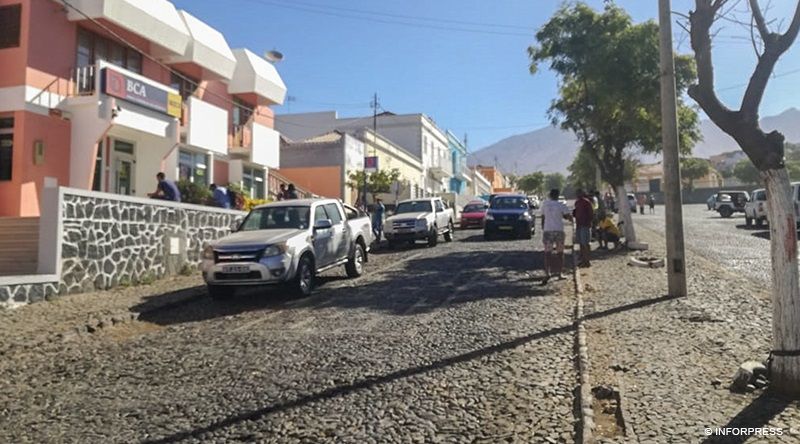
725, 241
457, 343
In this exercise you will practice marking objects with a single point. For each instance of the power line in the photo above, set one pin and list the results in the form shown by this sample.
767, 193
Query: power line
384, 21
410, 17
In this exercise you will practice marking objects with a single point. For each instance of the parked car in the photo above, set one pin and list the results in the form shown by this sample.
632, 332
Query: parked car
510, 214
419, 219
288, 242
729, 202
474, 214
755, 210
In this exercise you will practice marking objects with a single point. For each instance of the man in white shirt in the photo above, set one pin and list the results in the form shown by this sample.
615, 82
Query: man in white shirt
553, 215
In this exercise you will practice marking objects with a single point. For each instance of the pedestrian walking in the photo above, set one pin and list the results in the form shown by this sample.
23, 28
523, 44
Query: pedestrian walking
553, 214
584, 216
641, 201
377, 220
651, 202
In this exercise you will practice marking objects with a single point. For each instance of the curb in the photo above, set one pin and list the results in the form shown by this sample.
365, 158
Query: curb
587, 425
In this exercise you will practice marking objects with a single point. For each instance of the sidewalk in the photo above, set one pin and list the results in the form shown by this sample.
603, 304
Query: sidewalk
672, 360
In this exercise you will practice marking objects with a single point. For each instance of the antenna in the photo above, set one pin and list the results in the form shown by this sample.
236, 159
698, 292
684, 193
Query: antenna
273, 56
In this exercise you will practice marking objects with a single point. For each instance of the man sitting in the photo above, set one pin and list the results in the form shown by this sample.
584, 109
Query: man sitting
609, 232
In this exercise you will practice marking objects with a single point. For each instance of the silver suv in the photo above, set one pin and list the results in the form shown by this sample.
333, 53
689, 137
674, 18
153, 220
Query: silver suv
288, 242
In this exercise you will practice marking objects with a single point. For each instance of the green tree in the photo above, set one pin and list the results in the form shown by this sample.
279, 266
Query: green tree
746, 172
531, 183
692, 169
582, 170
379, 182
554, 181
609, 87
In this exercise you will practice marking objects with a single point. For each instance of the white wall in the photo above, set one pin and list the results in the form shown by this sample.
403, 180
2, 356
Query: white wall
208, 126
266, 146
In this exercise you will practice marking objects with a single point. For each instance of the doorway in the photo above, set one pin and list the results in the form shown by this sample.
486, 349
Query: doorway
123, 164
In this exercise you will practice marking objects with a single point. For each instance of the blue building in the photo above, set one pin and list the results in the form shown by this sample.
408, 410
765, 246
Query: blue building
461, 175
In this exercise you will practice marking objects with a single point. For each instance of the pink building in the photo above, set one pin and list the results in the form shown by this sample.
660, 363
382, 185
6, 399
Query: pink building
103, 94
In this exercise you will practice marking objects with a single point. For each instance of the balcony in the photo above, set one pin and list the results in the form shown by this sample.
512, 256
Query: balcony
255, 143
204, 126
157, 21
254, 75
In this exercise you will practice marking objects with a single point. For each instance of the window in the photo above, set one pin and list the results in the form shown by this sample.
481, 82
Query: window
242, 112
93, 48
193, 167
253, 182
10, 26
185, 85
6, 147
320, 214
97, 182
333, 213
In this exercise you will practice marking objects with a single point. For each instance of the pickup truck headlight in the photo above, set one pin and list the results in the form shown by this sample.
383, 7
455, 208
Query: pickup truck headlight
525, 216
208, 253
422, 223
274, 250
489, 217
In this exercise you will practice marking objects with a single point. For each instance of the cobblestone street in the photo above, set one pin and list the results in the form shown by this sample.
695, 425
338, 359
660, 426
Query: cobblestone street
457, 343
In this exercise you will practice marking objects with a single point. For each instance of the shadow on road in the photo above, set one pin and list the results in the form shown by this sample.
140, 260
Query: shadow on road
421, 285
370, 382
756, 415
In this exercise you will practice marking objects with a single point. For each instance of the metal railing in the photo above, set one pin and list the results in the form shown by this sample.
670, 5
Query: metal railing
84, 80
241, 136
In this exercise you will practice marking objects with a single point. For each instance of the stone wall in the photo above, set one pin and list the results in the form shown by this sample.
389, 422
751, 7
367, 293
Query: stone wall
105, 240
108, 241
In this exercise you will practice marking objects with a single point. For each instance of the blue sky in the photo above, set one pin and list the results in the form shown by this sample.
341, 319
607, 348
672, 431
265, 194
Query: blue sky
469, 82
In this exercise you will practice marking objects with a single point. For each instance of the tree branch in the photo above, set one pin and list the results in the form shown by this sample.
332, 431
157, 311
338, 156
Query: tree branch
758, 16
788, 38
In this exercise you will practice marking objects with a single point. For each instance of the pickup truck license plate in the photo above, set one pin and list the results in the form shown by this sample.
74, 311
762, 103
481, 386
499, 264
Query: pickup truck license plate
236, 269
505, 228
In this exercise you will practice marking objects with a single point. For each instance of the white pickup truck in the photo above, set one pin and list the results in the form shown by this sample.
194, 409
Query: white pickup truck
419, 219
755, 210
288, 242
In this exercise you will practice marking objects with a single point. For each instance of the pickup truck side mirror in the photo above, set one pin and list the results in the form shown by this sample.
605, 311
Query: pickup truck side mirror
323, 224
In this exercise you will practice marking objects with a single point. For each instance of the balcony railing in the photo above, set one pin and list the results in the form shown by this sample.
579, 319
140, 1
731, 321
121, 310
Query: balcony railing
84, 80
241, 136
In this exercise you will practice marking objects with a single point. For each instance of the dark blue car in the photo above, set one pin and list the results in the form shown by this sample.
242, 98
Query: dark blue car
510, 214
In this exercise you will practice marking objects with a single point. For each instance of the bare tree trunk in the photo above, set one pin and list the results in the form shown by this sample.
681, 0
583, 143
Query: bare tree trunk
625, 214
785, 368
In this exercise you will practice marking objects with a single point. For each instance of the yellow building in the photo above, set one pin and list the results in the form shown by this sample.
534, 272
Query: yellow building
391, 156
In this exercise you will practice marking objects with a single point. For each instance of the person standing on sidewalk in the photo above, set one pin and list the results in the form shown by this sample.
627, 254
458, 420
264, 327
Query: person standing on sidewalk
553, 215
584, 216
651, 202
377, 220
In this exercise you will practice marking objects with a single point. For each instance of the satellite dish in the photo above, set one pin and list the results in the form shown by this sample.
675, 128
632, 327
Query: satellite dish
273, 56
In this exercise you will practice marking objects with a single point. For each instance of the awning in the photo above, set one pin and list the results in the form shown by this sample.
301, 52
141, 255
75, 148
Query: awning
255, 75
207, 48
155, 20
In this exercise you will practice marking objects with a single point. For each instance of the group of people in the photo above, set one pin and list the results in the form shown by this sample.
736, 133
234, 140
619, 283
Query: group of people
649, 200
590, 218
222, 197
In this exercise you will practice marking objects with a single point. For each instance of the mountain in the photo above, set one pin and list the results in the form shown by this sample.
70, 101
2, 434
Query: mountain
551, 149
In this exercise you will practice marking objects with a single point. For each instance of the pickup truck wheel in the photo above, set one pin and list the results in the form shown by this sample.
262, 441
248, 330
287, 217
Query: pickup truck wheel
760, 222
219, 292
725, 212
304, 280
748, 222
355, 265
448, 236
526, 234
433, 237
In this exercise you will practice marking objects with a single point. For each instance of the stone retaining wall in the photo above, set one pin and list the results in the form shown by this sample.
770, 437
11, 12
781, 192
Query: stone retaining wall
106, 240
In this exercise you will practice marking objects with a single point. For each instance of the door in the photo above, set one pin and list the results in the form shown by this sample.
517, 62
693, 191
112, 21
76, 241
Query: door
340, 232
441, 217
124, 168
322, 239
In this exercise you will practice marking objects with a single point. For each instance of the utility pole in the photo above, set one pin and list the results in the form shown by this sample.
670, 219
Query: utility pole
374, 106
673, 211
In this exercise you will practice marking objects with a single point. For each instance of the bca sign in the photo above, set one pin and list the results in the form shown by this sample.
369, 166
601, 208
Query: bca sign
371, 164
117, 84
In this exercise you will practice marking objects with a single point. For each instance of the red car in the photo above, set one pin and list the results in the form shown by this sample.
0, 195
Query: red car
474, 214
